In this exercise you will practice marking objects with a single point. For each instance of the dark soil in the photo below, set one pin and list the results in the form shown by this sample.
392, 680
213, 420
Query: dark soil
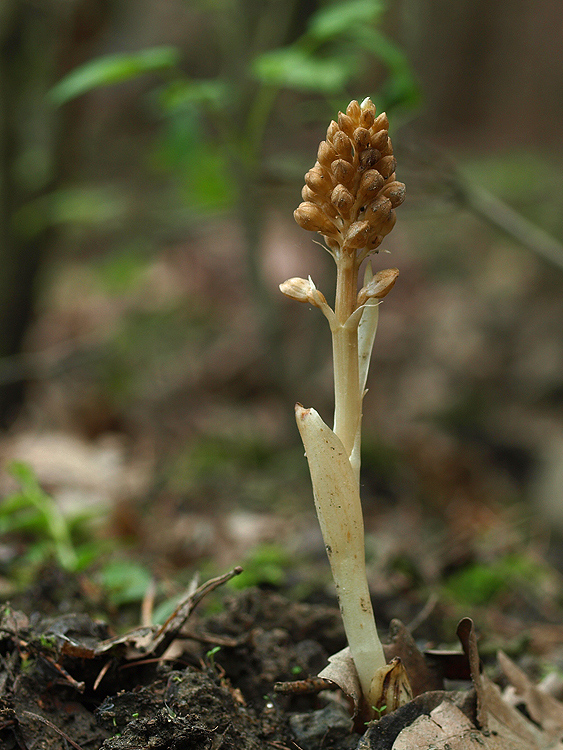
59, 690
201, 682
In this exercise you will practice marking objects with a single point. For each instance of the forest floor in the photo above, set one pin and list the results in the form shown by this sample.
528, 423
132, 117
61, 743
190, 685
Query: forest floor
158, 428
217, 676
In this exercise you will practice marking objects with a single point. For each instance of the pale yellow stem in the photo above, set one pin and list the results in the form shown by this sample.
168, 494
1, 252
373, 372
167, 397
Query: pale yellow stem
347, 396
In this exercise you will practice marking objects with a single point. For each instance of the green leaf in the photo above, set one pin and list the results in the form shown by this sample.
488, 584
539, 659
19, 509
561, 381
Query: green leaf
339, 18
199, 164
125, 580
110, 69
401, 87
185, 93
296, 68
25, 476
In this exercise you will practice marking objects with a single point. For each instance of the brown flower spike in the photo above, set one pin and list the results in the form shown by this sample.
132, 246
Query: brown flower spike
351, 193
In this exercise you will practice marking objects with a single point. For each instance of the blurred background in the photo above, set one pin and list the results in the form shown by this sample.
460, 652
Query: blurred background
152, 154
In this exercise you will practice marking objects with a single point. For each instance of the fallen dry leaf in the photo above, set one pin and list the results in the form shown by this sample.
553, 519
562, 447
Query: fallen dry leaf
479, 719
421, 677
543, 708
342, 672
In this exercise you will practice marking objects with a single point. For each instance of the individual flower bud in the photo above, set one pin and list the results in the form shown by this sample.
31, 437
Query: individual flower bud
354, 111
326, 154
332, 130
381, 122
386, 166
395, 191
357, 235
378, 211
388, 224
361, 138
387, 148
297, 289
370, 184
343, 200
367, 117
345, 124
374, 242
369, 158
343, 145
318, 182
368, 106
311, 217
303, 290
379, 140
343, 171
379, 286
309, 195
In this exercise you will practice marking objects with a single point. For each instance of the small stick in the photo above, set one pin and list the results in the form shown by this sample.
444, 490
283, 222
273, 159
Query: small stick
77, 685
52, 726
101, 674
170, 629
147, 605
424, 613
309, 685
49, 659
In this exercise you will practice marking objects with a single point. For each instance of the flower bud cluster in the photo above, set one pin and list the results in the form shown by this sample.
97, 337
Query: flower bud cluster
351, 193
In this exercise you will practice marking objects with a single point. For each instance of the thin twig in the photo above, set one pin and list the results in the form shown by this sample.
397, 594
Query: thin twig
170, 629
215, 640
101, 674
77, 685
147, 605
424, 613
501, 215
308, 685
52, 726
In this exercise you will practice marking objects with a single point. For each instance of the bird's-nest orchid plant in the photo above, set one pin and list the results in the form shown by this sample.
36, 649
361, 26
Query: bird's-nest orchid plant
350, 197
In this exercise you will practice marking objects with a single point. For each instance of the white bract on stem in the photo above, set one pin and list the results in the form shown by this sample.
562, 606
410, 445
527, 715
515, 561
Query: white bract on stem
349, 197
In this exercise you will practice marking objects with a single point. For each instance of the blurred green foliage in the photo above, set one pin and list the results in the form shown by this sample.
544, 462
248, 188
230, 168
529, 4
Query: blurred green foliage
480, 583
213, 129
266, 564
115, 68
83, 205
239, 470
530, 180
34, 515
124, 581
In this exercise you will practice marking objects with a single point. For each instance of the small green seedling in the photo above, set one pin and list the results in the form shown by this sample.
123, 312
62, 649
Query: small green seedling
350, 196
379, 711
210, 656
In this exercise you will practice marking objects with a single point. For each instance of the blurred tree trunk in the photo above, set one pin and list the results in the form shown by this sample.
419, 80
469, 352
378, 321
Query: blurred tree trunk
487, 69
26, 149
34, 37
